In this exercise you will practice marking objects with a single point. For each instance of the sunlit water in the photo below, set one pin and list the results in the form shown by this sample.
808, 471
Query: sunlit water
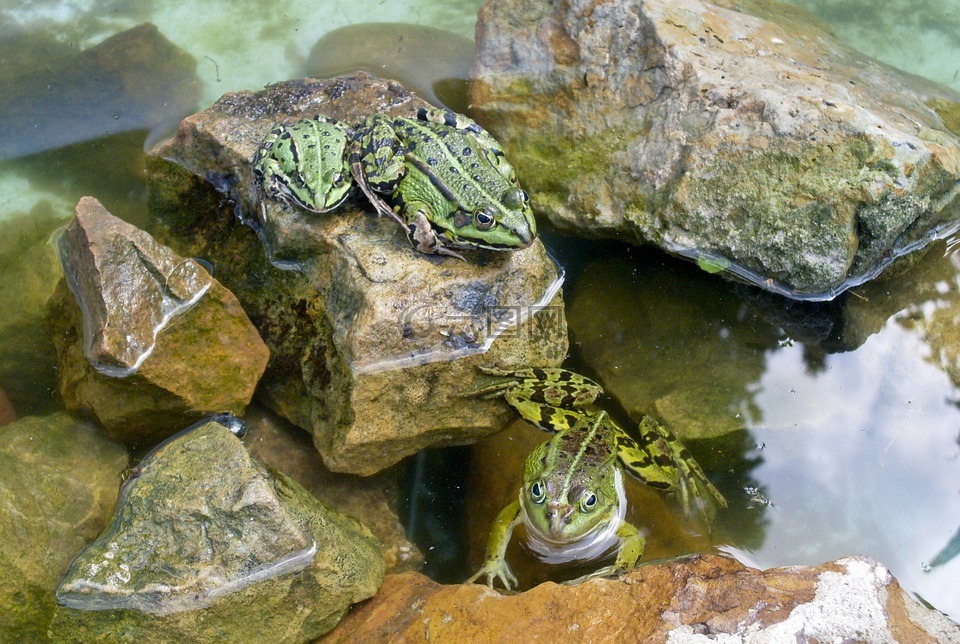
851, 446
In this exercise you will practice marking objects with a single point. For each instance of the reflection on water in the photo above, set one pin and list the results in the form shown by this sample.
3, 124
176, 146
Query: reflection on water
843, 419
834, 429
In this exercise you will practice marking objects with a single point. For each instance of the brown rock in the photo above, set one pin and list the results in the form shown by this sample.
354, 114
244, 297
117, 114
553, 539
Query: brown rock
853, 599
206, 359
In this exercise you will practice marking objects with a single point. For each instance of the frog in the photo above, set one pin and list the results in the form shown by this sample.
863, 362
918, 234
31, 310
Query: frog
444, 179
572, 499
306, 164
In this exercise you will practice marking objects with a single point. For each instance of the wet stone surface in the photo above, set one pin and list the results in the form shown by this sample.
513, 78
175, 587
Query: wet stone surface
206, 541
147, 341
738, 134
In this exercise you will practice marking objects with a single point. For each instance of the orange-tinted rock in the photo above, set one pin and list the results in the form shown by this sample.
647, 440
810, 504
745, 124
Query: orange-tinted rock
853, 599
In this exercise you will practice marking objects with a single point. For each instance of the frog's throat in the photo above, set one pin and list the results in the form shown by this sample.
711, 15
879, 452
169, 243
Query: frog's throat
592, 545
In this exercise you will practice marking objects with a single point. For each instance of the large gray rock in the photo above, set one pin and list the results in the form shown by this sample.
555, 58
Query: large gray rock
147, 341
58, 489
738, 134
206, 543
371, 342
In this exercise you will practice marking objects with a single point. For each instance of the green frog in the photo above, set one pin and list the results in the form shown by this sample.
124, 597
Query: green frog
446, 181
572, 500
306, 164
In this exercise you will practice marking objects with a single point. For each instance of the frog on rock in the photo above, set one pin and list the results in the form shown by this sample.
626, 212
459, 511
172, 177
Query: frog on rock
572, 499
305, 164
446, 181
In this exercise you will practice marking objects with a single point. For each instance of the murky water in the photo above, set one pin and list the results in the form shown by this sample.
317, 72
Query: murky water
833, 429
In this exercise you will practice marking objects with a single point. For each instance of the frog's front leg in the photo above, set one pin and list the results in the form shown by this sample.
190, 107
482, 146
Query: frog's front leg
421, 234
495, 564
632, 545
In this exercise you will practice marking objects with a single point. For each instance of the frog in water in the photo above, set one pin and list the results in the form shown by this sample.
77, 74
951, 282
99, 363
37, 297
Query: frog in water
446, 181
305, 164
572, 500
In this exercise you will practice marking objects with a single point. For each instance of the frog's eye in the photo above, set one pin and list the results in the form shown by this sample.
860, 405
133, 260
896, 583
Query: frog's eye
515, 198
589, 503
537, 492
484, 220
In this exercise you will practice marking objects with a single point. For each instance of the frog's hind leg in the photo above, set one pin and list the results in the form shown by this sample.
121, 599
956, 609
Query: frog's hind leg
550, 398
661, 461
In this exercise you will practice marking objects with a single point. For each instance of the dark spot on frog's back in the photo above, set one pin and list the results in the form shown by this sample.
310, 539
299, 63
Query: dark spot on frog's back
432, 161
466, 152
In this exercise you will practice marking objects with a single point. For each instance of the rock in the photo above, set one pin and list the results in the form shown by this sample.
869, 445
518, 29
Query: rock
148, 341
205, 543
28, 365
738, 134
58, 488
678, 359
7, 413
371, 342
372, 500
395, 50
698, 599
134, 80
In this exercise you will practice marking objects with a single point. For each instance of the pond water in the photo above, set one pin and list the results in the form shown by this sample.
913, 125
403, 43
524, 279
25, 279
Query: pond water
833, 429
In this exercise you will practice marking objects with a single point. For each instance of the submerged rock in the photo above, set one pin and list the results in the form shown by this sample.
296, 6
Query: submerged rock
689, 361
148, 341
395, 50
738, 134
58, 488
205, 542
28, 365
134, 80
371, 342
7, 413
704, 598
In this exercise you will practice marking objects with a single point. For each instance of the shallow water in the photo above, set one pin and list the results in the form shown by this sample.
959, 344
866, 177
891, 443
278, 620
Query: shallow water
842, 420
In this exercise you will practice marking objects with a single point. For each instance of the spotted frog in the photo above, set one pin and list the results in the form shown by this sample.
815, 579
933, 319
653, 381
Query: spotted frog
572, 499
306, 164
444, 179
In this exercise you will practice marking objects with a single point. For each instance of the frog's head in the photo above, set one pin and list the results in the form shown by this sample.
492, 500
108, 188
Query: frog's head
564, 505
508, 224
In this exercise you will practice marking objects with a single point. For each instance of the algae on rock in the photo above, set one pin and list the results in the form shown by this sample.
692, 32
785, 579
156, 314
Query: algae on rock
206, 542
58, 488
735, 132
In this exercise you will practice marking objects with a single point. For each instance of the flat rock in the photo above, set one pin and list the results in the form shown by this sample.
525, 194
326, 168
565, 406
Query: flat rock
700, 599
395, 50
58, 489
146, 340
371, 342
133, 80
206, 542
742, 135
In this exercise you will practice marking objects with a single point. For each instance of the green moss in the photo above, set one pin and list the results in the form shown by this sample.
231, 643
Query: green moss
948, 111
